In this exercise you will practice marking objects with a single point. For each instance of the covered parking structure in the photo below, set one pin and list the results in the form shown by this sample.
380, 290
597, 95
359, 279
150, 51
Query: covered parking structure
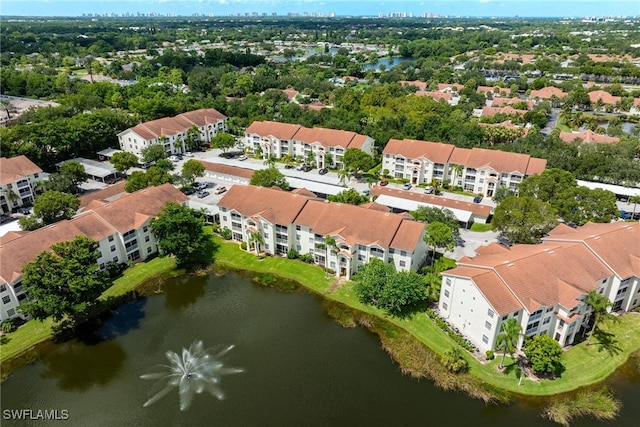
97, 171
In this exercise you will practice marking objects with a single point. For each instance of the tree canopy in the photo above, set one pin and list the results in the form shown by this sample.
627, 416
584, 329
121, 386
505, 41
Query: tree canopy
544, 353
191, 169
439, 235
223, 141
179, 231
431, 214
153, 153
524, 219
123, 161
49, 208
349, 196
378, 284
269, 177
64, 281
153, 177
357, 161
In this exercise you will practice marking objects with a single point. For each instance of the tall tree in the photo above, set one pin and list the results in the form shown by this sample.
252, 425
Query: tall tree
269, 177
524, 219
65, 281
223, 141
599, 305
439, 235
123, 161
75, 172
357, 161
255, 240
429, 214
548, 185
153, 153
49, 208
191, 169
330, 247
507, 339
179, 231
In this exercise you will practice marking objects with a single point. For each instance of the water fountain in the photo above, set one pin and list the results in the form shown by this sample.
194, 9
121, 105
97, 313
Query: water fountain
194, 372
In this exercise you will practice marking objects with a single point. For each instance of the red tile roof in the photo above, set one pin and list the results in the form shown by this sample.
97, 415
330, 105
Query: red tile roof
492, 111
414, 149
548, 92
228, 169
500, 161
435, 95
178, 124
588, 136
606, 97
322, 136
283, 131
501, 102
16, 168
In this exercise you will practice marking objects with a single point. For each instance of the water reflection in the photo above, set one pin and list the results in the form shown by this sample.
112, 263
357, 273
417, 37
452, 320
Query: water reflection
80, 367
184, 291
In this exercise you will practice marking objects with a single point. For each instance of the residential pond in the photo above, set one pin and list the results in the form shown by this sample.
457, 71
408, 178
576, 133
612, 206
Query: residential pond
299, 367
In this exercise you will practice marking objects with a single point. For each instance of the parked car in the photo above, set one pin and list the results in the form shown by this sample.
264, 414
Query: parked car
189, 191
220, 190
242, 157
406, 186
323, 171
200, 185
24, 211
383, 183
173, 158
202, 194
188, 154
477, 199
179, 156
306, 168
6, 218
428, 190
300, 166
365, 192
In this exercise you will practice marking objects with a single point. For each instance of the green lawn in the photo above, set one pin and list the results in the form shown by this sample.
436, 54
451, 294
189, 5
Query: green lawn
585, 365
476, 226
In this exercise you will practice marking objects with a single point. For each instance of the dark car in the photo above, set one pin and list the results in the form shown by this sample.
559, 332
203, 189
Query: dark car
188, 191
323, 171
306, 168
477, 199
24, 211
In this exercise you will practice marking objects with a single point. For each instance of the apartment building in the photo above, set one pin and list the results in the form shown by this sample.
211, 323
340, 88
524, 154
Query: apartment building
318, 147
121, 228
301, 222
476, 170
543, 286
172, 132
19, 178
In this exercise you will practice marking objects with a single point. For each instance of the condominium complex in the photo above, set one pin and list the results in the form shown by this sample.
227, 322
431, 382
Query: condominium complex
19, 178
173, 132
121, 228
477, 170
298, 221
318, 147
543, 286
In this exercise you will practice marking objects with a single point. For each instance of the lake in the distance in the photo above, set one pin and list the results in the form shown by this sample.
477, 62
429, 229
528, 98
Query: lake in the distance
300, 369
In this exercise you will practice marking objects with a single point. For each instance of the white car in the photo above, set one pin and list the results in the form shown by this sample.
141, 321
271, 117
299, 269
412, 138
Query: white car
242, 157
187, 154
173, 158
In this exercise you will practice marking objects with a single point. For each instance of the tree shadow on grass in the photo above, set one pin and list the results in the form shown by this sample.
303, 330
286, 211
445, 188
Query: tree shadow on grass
205, 257
606, 341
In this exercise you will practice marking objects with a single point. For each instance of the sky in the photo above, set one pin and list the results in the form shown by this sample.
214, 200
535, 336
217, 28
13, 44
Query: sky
452, 8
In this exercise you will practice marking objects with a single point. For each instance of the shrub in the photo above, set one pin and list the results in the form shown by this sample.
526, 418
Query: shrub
454, 361
225, 233
243, 246
308, 258
490, 355
293, 254
9, 326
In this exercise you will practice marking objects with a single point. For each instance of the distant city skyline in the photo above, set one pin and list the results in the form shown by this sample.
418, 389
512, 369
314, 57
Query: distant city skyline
416, 8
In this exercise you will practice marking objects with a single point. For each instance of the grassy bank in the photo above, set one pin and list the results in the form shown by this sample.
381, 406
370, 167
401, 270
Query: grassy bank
585, 365
598, 404
24, 344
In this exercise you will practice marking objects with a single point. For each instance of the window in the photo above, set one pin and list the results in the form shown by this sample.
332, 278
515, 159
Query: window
146, 238
111, 238
485, 339
549, 309
487, 325
448, 282
6, 299
505, 317
446, 293
561, 324
403, 253
3, 288
298, 227
113, 248
445, 306
490, 313
11, 312
546, 321
115, 259
402, 263
149, 250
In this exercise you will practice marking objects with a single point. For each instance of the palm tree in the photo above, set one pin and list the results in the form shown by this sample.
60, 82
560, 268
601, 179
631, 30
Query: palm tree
457, 173
454, 361
330, 247
7, 107
507, 340
599, 305
343, 174
269, 161
256, 240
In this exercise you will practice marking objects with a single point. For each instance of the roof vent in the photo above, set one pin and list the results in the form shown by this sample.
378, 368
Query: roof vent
551, 252
510, 264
